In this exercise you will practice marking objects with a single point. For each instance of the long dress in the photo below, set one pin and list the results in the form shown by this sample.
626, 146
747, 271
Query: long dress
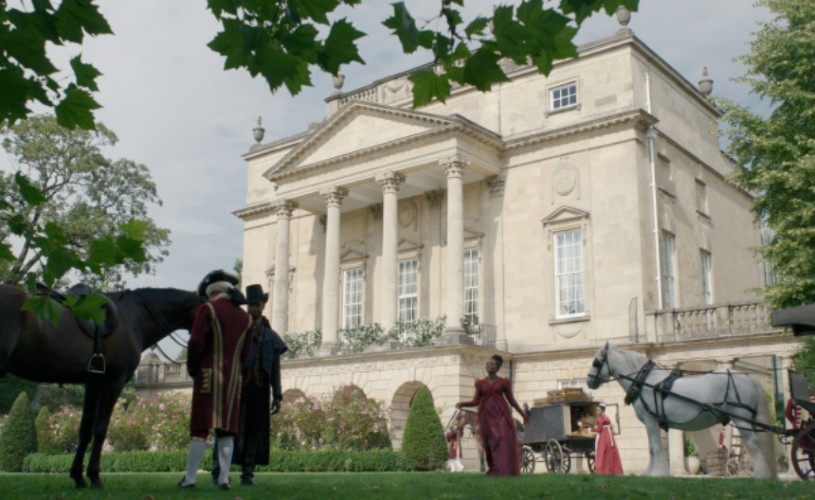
496, 426
607, 455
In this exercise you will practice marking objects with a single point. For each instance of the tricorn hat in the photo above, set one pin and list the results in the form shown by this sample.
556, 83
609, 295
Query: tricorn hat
214, 277
254, 293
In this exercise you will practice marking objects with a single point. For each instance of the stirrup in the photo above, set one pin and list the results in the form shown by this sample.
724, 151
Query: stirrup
97, 363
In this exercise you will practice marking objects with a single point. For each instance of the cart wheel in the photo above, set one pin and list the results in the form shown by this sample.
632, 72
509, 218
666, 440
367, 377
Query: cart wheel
803, 453
590, 460
566, 465
553, 456
527, 460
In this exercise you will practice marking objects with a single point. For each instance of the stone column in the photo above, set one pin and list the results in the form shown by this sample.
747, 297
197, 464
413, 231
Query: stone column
280, 305
454, 296
334, 196
390, 182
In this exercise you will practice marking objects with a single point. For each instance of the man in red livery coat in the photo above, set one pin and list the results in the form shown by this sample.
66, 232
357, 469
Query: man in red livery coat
219, 344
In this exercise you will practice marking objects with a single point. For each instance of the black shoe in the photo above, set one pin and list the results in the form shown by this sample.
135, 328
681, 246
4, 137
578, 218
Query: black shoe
248, 481
185, 486
224, 486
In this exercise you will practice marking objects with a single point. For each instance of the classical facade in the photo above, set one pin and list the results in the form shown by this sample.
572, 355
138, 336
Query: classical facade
555, 213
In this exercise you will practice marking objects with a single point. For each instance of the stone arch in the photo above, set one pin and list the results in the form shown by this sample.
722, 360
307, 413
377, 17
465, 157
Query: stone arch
400, 405
346, 392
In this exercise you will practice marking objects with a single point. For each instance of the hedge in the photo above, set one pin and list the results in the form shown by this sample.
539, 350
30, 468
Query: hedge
423, 441
19, 435
279, 461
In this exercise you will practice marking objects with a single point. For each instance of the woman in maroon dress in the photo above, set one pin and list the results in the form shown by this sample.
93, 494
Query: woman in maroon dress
606, 454
495, 423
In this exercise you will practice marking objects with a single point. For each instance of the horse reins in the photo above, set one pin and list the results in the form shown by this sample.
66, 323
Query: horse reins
162, 324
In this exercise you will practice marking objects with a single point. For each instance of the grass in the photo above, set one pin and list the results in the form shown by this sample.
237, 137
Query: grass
415, 486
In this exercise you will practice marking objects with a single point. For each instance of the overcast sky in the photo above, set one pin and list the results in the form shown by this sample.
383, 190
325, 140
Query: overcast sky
174, 108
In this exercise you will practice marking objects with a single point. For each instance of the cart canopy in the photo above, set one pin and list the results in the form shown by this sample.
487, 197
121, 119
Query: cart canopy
801, 319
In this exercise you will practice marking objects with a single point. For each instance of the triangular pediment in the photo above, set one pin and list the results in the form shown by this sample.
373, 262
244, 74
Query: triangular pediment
564, 214
349, 253
359, 126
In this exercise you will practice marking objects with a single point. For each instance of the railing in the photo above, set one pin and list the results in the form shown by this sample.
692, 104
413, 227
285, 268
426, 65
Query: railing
484, 334
751, 318
161, 373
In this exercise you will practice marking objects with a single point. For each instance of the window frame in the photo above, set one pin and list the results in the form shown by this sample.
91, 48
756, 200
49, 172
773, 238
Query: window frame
361, 291
474, 302
581, 272
706, 267
667, 254
400, 296
554, 105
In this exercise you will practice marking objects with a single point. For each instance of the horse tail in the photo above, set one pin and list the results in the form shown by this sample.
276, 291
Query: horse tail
765, 437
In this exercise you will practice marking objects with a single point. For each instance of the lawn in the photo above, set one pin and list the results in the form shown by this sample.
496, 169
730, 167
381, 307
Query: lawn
406, 486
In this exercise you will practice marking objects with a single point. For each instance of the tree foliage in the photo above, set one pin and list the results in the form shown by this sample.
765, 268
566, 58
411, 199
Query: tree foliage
19, 435
282, 41
775, 154
64, 192
804, 361
423, 441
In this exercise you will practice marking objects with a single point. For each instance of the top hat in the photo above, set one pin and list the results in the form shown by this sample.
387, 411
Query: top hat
214, 277
254, 293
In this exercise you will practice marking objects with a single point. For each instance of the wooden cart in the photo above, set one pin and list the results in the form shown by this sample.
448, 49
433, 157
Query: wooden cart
557, 431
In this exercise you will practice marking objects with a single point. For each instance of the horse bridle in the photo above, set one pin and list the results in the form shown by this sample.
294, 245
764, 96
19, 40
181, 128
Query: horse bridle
597, 363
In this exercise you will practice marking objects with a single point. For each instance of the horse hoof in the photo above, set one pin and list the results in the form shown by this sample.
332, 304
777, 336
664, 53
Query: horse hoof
96, 483
80, 483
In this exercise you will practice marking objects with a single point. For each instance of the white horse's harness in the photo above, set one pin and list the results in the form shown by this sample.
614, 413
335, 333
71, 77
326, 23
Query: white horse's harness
662, 389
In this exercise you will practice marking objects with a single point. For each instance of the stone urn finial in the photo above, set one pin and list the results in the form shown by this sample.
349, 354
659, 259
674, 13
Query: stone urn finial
705, 84
338, 82
258, 132
623, 17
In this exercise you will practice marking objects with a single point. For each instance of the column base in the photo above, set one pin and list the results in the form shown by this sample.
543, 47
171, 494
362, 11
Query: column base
454, 336
327, 349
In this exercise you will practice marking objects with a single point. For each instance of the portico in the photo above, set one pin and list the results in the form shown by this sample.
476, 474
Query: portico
359, 159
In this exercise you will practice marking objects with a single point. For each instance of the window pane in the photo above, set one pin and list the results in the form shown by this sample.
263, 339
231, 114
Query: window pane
570, 299
352, 298
408, 290
707, 291
471, 284
668, 270
563, 96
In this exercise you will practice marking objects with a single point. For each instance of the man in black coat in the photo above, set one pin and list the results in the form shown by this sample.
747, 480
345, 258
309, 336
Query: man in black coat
261, 370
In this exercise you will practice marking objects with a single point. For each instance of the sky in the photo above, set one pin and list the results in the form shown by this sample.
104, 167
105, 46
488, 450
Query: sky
174, 108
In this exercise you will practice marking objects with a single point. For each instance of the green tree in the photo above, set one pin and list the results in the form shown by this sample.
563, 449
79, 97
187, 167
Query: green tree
87, 195
804, 361
10, 389
45, 440
283, 40
19, 436
423, 441
775, 154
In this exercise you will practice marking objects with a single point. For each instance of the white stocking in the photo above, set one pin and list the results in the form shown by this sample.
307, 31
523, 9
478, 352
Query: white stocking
196, 454
225, 445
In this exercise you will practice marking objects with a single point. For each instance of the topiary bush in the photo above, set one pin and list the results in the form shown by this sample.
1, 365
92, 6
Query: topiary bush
19, 436
45, 440
423, 442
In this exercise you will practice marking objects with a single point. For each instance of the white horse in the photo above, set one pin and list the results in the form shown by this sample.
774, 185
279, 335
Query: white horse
691, 403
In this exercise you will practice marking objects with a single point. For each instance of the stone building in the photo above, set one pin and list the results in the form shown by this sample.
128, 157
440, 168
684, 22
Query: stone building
555, 213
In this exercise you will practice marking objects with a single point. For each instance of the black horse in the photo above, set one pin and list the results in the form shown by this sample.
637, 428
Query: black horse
42, 352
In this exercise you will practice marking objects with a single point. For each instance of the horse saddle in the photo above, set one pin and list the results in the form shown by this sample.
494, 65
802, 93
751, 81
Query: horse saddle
88, 327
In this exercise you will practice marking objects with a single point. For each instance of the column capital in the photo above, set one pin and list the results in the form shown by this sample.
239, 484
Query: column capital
390, 181
434, 197
334, 195
496, 184
284, 208
454, 165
